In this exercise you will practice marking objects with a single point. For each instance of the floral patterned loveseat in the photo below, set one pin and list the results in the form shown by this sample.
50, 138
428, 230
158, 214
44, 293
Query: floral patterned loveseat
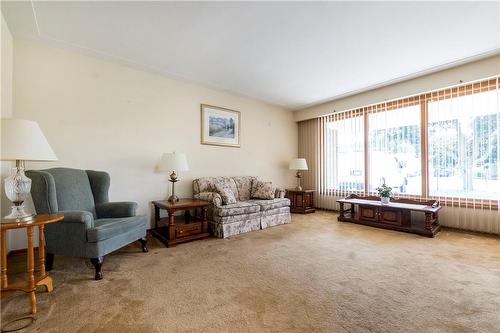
246, 214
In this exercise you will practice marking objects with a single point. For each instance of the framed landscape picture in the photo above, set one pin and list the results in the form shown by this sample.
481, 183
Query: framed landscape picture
220, 126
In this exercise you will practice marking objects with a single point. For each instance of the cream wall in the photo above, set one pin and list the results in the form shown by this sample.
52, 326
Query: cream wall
104, 116
6, 55
468, 72
15, 238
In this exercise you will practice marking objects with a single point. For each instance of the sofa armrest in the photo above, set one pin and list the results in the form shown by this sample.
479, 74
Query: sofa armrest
212, 197
116, 209
280, 193
79, 217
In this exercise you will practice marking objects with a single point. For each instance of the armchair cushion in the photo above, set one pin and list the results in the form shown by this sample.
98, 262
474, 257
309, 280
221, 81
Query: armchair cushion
79, 216
73, 189
115, 209
107, 228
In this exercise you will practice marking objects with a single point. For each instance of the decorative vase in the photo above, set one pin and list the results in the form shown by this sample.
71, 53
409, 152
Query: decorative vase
17, 189
384, 200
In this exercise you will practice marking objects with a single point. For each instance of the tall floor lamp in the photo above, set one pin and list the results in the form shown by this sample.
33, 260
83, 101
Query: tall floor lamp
22, 140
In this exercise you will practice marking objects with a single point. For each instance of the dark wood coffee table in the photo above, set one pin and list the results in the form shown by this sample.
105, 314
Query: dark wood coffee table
183, 228
396, 215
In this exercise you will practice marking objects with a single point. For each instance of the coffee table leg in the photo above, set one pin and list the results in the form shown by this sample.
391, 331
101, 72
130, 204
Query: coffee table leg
31, 268
4, 259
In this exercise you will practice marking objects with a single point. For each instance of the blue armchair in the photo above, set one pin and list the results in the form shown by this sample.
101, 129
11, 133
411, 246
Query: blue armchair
92, 226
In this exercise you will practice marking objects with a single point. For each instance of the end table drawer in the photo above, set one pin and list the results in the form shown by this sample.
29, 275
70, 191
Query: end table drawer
183, 230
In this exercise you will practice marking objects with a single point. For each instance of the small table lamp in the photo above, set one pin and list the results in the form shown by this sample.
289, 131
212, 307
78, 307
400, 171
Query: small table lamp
172, 162
22, 140
298, 164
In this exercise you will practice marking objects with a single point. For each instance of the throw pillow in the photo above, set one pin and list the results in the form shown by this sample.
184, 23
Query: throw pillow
226, 194
263, 190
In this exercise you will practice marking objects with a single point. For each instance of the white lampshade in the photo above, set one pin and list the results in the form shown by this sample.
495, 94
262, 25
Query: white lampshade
298, 164
173, 162
24, 140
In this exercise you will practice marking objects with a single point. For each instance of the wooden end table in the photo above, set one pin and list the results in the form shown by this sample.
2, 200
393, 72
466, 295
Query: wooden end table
180, 229
43, 278
301, 201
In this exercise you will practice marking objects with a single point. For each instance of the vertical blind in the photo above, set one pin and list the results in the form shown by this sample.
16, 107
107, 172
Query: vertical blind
440, 145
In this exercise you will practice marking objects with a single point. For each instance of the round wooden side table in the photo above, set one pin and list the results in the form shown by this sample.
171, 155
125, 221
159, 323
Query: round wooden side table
42, 279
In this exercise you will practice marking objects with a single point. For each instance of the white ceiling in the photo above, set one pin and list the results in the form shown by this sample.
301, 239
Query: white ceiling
293, 54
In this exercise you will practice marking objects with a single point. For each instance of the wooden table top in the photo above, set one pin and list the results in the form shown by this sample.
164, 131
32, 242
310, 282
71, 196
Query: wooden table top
398, 205
295, 190
181, 204
37, 220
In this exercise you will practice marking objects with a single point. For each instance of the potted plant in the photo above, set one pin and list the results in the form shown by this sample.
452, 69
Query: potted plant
384, 193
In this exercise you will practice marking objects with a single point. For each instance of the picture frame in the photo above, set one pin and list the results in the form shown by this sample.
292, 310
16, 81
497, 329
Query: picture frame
220, 126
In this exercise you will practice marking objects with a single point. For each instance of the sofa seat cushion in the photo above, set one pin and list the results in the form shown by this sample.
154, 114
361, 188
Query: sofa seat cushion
108, 228
271, 203
236, 218
241, 207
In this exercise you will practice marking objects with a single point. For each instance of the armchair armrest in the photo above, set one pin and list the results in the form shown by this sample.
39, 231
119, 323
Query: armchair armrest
116, 209
280, 193
212, 197
79, 217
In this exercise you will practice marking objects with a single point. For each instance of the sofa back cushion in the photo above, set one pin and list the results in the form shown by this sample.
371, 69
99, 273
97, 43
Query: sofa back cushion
263, 190
207, 184
240, 186
204, 184
244, 186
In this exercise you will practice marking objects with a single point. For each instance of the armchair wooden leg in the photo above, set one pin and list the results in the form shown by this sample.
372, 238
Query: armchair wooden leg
49, 261
97, 262
144, 245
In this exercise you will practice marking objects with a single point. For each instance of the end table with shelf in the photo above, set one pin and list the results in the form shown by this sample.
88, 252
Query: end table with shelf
301, 201
180, 228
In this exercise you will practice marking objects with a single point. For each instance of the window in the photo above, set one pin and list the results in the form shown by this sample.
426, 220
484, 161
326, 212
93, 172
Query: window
463, 146
344, 157
443, 144
394, 150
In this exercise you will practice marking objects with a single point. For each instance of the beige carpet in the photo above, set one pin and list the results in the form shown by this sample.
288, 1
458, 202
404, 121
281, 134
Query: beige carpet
314, 275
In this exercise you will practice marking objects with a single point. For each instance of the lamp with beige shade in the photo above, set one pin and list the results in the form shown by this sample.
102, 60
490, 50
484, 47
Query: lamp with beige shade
299, 164
22, 140
173, 162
